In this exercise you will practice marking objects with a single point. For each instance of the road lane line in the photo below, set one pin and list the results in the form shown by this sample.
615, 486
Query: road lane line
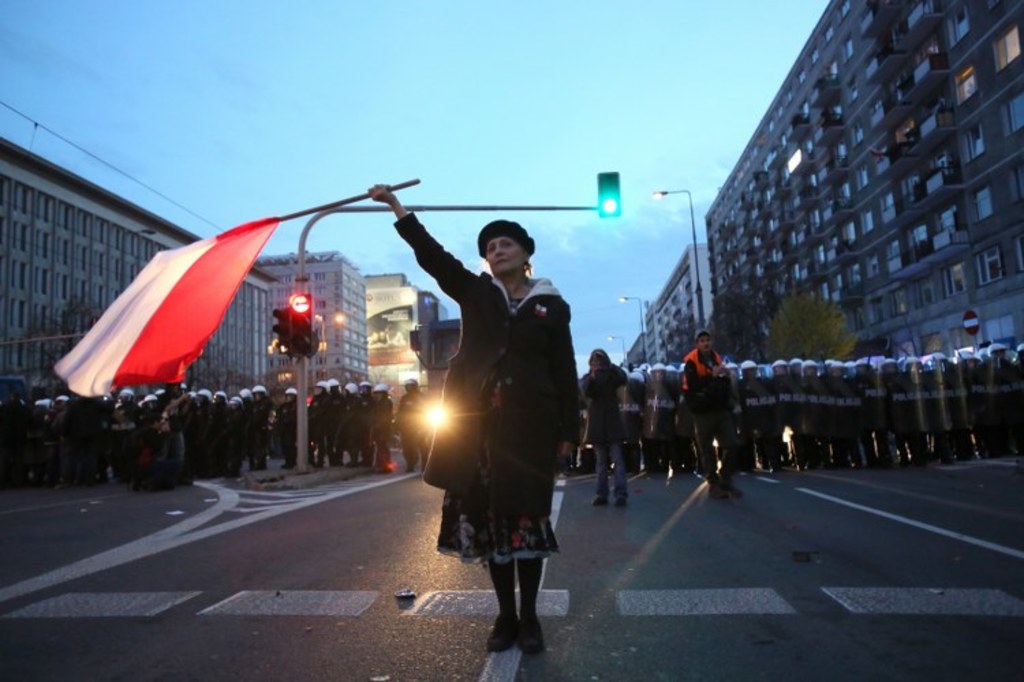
173, 536
1002, 549
104, 605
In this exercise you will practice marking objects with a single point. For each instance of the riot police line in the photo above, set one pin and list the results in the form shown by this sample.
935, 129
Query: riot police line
173, 435
806, 414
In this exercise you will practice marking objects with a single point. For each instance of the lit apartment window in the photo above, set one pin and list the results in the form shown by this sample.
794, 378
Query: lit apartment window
974, 143
959, 25
966, 84
848, 49
989, 265
1015, 113
982, 200
898, 298
1007, 47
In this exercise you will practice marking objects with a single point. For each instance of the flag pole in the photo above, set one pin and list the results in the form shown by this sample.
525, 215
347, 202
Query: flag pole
343, 202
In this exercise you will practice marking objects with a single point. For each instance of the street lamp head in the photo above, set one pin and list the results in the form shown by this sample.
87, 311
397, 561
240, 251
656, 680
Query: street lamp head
659, 194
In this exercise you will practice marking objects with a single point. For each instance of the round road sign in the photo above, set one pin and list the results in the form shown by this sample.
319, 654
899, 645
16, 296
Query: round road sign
971, 322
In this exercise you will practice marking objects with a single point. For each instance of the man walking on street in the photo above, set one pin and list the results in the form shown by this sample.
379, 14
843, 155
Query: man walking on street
708, 392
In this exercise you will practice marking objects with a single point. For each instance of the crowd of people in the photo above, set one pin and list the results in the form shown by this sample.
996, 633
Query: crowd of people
803, 414
172, 436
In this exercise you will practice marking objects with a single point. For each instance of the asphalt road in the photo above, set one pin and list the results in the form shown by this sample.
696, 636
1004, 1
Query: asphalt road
839, 575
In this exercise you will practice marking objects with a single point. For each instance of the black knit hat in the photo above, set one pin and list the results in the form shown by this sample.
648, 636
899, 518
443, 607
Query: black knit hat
504, 228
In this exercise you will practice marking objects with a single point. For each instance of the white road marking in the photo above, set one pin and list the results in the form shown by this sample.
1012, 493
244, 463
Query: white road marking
1008, 551
103, 605
293, 603
702, 602
923, 601
483, 603
174, 536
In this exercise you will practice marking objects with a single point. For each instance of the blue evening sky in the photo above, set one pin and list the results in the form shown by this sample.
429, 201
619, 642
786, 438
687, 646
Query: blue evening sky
239, 110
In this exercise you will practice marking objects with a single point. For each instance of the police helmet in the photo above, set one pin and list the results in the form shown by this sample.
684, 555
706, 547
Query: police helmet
259, 388
205, 392
351, 388
381, 388
748, 364
290, 391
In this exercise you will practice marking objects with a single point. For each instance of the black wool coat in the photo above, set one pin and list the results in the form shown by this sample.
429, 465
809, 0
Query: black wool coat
604, 422
529, 356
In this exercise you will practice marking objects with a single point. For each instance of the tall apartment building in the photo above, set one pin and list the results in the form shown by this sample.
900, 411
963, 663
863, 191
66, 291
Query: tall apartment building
68, 248
887, 176
339, 316
674, 316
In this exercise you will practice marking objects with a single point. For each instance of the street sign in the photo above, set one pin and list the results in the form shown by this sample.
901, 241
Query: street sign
971, 323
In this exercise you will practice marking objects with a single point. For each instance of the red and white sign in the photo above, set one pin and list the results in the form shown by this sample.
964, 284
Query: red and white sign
971, 323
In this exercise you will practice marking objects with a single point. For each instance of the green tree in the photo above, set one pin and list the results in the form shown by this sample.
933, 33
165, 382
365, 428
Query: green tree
808, 327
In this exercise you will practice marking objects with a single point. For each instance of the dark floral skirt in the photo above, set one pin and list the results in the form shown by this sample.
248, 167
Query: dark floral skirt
475, 535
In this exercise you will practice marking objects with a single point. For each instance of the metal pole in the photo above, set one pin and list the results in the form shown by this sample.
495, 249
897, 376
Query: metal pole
698, 290
696, 264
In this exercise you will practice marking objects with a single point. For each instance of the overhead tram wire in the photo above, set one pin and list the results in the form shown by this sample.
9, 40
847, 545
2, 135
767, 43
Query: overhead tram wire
109, 165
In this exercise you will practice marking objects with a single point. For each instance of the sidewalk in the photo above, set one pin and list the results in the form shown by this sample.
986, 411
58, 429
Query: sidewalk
274, 477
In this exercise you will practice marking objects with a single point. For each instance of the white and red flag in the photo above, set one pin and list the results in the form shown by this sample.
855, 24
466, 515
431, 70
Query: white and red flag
162, 321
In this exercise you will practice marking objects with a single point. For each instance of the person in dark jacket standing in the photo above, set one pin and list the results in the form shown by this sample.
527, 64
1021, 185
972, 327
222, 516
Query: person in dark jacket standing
605, 430
511, 399
708, 391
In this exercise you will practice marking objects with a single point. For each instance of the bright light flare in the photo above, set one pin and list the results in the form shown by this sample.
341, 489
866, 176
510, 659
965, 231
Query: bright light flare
436, 416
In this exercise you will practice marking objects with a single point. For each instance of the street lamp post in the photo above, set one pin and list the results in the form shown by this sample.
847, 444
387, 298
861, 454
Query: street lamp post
643, 325
623, 342
698, 291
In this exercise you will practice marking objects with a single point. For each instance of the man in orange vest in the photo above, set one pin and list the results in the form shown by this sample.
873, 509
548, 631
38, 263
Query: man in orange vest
707, 390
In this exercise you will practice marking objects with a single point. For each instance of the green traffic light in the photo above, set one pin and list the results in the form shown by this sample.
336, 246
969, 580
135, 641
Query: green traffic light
609, 201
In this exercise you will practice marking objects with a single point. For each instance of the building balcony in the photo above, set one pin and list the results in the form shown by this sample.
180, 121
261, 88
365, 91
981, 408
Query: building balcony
926, 77
922, 21
827, 91
784, 188
851, 294
761, 178
829, 130
841, 208
846, 249
885, 64
747, 200
939, 185
800, 120
897, 160
925, 256
935, 129
879, 16
888, 112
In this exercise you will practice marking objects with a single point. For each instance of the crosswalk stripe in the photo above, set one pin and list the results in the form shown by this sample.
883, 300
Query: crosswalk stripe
103, 604
926, 601
550, 603
702, 602
293, 603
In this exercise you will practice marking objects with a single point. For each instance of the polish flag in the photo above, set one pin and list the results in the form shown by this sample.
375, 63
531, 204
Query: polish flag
162, 321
